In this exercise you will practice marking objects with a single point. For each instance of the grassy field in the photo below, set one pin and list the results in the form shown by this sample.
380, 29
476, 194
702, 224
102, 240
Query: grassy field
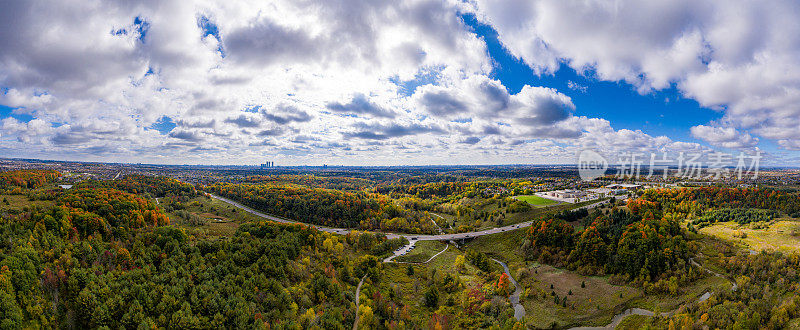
536, 200
20, 202
423, 250
778, 237
595, 304
503, 246
222, 219
634, 322
598, 301
686, 293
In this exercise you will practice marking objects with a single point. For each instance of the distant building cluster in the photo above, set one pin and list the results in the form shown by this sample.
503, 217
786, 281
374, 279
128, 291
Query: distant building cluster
267, 165
577, 195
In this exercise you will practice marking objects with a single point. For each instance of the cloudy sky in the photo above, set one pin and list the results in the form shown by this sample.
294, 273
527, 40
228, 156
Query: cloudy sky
396, 82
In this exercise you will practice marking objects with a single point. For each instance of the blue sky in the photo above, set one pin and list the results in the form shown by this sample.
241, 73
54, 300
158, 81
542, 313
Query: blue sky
407, 82
661, 112
6, 112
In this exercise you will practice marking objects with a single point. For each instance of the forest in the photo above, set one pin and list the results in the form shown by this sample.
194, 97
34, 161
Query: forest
146, 185
101, 257
645, 252
691, 203
328, 207
105, 254
15, 182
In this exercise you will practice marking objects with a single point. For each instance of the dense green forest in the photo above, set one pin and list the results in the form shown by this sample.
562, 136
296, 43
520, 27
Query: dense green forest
267, 274
740, 216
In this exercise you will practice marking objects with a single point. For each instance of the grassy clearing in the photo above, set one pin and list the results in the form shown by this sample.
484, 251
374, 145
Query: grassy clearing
634, 322
536, 200
222, 219
504, 246
686, 293
778, 237
598, 301
423, 250
594, 304
21, 202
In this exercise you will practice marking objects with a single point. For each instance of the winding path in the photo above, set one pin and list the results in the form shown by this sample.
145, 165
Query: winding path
389, 259
519, 310
643, 312
358, 294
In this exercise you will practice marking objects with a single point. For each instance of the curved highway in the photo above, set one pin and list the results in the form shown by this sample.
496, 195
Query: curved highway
410, 237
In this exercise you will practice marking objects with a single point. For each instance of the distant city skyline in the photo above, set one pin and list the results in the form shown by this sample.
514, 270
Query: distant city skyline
397, 83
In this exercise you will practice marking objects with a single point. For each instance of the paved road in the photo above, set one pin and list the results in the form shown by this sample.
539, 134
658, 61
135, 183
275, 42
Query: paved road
519, 310
410, 237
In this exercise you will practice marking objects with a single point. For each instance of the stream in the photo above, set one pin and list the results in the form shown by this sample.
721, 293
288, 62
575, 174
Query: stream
617, 319
519, 310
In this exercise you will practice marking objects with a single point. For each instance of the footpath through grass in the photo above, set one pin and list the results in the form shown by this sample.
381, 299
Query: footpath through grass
423, 250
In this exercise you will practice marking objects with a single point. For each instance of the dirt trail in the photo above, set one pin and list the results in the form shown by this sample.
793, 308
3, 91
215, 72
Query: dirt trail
640, 311
358, 294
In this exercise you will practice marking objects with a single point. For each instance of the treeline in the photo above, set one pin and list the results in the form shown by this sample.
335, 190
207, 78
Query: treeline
452, 190
650, 252
14, 182
327, 207
337, 183
154, 186
97, 210
691, 203
740, 216
427, 190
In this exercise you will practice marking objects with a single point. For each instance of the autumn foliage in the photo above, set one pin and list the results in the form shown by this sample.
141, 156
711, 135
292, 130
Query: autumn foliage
333, 208
14, 182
